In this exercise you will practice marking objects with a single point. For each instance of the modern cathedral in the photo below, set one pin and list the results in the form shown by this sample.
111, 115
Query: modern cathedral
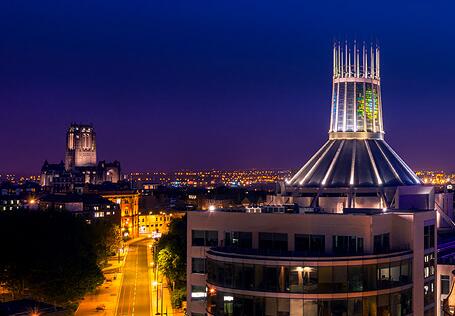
351, 233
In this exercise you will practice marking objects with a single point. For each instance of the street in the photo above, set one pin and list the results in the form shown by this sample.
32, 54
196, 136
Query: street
134, 294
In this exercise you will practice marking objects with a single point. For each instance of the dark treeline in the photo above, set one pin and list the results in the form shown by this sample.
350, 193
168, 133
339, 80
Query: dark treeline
171, 258
53, 256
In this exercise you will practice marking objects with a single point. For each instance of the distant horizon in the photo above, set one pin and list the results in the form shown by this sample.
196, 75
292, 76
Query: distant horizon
22, 174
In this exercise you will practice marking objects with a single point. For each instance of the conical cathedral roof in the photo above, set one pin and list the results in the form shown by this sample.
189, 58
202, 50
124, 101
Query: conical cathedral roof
356, 154
355, 163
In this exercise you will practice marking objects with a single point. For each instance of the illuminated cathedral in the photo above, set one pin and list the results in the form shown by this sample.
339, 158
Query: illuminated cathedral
80, 166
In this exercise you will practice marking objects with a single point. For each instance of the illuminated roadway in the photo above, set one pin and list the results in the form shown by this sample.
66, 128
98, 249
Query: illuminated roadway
134, 296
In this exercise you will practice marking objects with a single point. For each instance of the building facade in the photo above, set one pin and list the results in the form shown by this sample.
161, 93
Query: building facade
80, 146
157, 224
81, 166
359, 240
128, 201
360, 263
91, 207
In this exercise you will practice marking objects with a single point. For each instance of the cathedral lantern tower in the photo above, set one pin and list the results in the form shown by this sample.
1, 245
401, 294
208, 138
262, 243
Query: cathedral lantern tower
80, 146
356, 93
355, 163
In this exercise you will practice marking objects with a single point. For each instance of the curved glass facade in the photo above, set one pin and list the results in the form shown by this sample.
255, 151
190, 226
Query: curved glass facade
229, 304
361, 102
309, 279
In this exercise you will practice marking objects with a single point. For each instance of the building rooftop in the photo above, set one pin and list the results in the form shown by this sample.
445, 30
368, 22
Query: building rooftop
354, 163
75, 198
24, 307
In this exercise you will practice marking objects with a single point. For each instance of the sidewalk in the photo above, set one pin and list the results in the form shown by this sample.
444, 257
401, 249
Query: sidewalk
104, 300
165, 306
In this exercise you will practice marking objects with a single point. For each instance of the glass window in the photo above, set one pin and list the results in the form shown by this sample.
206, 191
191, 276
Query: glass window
383, 275
211, 238
273, 242
405, 275
381, 243
283, 307
338, 307
347, 245
238, 276
198, 238
198, 292
220, 273
248, 276
230, 304
310, 307
445, 284
370, 277
228, 274
395, 304
198, 265
271, 306
259, 277
406, 302
325, 280
310, 244
212, 271
395, 273
340, 279
265, 241
429, 265
355, 278
355, 307
302, 243
384, 304
370, 305
428, 236
270, 278
428, 293
303, 279
239, 240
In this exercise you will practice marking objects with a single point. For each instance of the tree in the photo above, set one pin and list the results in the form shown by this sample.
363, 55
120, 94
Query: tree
171, 258
106, 239
168, 263
52, 256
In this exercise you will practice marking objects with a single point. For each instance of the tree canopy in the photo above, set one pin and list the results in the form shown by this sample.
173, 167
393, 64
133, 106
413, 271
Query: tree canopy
52, 256
171, 257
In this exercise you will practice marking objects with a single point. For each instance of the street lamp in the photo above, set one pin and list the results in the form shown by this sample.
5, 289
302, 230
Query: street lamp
155, 284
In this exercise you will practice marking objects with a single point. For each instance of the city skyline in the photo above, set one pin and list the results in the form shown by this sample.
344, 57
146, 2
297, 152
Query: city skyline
227, 158
238, 97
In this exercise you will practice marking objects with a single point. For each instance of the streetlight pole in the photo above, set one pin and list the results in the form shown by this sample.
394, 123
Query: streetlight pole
157, 311
162, 297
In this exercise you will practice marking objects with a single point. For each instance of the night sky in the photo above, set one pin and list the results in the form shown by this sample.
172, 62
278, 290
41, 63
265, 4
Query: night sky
215, 84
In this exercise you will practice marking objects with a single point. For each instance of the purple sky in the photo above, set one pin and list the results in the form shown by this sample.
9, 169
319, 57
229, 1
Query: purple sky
215, 84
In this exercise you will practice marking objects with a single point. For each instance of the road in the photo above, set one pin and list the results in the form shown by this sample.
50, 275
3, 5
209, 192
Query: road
134, 296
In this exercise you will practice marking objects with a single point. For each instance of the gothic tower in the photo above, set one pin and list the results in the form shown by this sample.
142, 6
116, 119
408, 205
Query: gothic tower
80, 146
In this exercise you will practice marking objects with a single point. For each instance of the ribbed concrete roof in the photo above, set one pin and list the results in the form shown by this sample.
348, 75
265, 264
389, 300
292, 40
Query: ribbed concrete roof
354, 163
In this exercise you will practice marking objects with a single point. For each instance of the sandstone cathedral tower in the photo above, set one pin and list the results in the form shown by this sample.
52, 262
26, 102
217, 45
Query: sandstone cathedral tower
80, 166
80, 146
